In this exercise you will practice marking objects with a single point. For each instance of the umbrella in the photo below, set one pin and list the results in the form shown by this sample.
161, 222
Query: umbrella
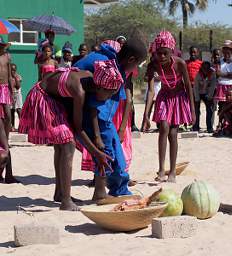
7, 27
44, 22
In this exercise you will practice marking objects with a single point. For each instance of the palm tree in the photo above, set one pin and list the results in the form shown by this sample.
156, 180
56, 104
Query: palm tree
187, 7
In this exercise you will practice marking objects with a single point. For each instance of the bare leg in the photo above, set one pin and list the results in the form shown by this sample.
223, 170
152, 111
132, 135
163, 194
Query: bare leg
163, 135
57, 196
172, 137
66, 160
4, 145
18, 110
100, 190
7, 120
12, 118
9, 178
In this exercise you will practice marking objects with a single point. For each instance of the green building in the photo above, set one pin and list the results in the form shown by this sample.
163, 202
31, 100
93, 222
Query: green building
24, 43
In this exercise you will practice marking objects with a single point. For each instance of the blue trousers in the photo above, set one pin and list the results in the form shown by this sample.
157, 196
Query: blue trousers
117, 181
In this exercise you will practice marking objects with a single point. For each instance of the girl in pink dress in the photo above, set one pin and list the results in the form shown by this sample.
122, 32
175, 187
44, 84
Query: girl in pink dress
174, 103
48, 64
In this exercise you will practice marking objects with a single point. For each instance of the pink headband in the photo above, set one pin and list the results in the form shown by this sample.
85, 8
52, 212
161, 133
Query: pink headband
163, 39
115, 45
106, 75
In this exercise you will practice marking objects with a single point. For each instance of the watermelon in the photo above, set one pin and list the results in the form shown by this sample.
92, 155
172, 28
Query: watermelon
175, 204
200, 199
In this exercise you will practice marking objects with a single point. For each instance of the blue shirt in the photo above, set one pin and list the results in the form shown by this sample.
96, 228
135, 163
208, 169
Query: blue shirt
106, 109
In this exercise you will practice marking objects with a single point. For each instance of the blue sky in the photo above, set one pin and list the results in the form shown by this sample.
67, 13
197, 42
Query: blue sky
216, 13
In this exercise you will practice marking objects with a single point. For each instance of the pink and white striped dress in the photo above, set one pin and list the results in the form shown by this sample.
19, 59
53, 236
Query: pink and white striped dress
44, 118
173, 107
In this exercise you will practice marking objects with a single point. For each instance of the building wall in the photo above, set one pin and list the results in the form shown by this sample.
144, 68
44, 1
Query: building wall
23, 55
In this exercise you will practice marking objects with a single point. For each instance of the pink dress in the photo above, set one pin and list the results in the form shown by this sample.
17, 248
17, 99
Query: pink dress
44, 118
172, 107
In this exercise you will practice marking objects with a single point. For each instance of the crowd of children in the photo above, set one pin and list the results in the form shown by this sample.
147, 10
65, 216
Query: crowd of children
85, 101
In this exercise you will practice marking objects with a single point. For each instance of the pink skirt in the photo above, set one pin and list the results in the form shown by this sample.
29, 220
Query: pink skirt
44, 119
5, 94
88, 164
221, 92
127, 142
173, 108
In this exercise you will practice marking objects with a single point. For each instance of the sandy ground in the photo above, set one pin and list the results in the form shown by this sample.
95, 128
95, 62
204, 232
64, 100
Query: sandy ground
210, 160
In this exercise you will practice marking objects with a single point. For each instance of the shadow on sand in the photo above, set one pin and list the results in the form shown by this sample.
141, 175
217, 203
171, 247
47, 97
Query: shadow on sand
35, 179
88, 229
9, 244
11, 204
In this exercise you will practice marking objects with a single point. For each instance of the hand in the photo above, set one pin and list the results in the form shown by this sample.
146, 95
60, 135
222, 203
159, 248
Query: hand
99, 143
121, 135
102, 162
156, 76
146, 125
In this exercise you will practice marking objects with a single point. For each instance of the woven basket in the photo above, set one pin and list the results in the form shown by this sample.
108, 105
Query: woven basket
179, 168
117, 199
123, 221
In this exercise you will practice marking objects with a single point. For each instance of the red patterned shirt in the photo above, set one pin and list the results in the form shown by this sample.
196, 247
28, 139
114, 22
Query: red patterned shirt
193, 68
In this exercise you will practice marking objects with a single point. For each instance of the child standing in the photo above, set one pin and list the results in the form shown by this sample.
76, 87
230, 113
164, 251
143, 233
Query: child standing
66, 59
5, 114
204, 87
174, 103
193, 64
47, 64
17, 95
130, 55
224, 74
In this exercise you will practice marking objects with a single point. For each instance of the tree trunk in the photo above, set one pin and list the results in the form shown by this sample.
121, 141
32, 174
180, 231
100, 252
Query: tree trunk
185, 15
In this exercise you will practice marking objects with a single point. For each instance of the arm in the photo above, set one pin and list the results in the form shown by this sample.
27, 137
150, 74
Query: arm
150, 95
127, 109
39, 72
225, 109
78, 94
224, 75
17, 82
9, 73
97, 135
212, 86
188, 89
196, 88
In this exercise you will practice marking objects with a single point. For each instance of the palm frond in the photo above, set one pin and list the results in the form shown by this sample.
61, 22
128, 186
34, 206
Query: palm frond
173, 6
202, 4
190, 7
163, 2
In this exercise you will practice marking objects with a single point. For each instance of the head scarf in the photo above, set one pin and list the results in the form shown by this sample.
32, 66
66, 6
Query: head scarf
163, 39
115, 45
107, 75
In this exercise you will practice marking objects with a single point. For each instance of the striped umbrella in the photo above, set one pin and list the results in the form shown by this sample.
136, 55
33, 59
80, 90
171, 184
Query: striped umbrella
45, 22
7, 27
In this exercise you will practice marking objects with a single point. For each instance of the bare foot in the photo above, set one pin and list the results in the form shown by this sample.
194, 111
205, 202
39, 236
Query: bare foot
171, 178
99, 196
68, 205
132, 183
10, 180
161, 177
58, 198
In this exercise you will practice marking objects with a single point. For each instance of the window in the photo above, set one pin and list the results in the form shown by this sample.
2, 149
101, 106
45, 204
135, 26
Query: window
25, 36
